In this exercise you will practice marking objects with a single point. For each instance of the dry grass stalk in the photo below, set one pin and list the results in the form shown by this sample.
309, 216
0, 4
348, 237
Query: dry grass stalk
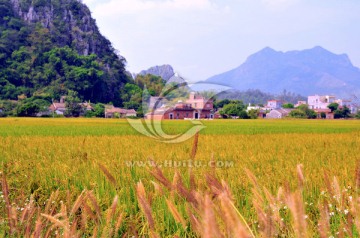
300, 175
5, 190
144, 205
38, 228
193, 185
95, 204
158, 189
324, 221
357, 175
337, 191
215, 186
355, 209
209, 224
233, 219
296, 206
108, 174
158, 174
194, 146
176, 214
79, 201
194, 222
118, 223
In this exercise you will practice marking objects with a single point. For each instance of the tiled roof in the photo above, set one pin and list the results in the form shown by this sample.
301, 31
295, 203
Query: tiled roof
119, 110
322, 110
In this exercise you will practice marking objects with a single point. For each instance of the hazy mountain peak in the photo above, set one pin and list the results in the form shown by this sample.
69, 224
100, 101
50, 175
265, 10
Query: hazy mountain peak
267, 50
310, 71
165, 71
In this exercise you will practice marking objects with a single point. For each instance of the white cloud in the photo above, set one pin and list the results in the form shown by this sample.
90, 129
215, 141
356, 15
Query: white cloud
139, 6
279, 4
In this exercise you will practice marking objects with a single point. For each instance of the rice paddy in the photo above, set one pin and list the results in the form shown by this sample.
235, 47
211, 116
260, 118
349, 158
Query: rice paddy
111, 159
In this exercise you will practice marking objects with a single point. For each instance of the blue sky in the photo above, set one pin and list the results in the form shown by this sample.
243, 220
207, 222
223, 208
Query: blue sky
201, 38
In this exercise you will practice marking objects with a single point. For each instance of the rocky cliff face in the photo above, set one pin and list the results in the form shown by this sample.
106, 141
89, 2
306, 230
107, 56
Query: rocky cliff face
70, 20
52, 46
164, 71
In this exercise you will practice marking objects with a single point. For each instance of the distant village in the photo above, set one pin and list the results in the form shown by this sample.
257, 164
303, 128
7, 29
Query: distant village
199, 107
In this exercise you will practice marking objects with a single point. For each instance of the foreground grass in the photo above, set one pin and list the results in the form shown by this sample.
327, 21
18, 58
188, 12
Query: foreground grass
40, 156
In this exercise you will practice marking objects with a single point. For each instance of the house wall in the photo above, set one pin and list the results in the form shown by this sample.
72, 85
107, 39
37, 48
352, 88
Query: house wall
274, 115
320, 102
182, 114
198, 102
274, 104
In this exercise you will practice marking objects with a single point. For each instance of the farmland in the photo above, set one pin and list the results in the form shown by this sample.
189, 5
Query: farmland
41, 156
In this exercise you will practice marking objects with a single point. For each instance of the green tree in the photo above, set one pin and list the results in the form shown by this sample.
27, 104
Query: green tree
99, 110
288, 105
343, 112
154, 84
243, 115
253, 114
297, 113
234, 109
221, 103
333, 106
27, 109
310, 114
72, 104
357, 116
8, 108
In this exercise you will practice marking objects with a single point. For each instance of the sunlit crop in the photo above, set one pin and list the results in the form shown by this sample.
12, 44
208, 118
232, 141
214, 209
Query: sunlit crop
97, 160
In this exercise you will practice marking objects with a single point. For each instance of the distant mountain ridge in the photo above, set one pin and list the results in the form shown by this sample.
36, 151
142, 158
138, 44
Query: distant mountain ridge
164, 71
306, 72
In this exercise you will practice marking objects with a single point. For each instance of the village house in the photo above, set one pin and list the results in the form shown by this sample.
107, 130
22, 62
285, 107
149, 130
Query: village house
59, 108
278, 113
274, 104
255, 107
324, 114
348, 103
115, 112
156, 102
299, 103
320, 102
196, 107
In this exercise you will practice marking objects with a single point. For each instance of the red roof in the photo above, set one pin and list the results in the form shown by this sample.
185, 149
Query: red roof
322, 110
120, 110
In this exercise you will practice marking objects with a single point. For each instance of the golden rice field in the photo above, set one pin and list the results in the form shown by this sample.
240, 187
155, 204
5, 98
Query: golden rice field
86, 163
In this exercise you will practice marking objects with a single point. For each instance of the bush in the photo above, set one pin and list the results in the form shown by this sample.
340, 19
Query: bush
298, 114
357, 116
